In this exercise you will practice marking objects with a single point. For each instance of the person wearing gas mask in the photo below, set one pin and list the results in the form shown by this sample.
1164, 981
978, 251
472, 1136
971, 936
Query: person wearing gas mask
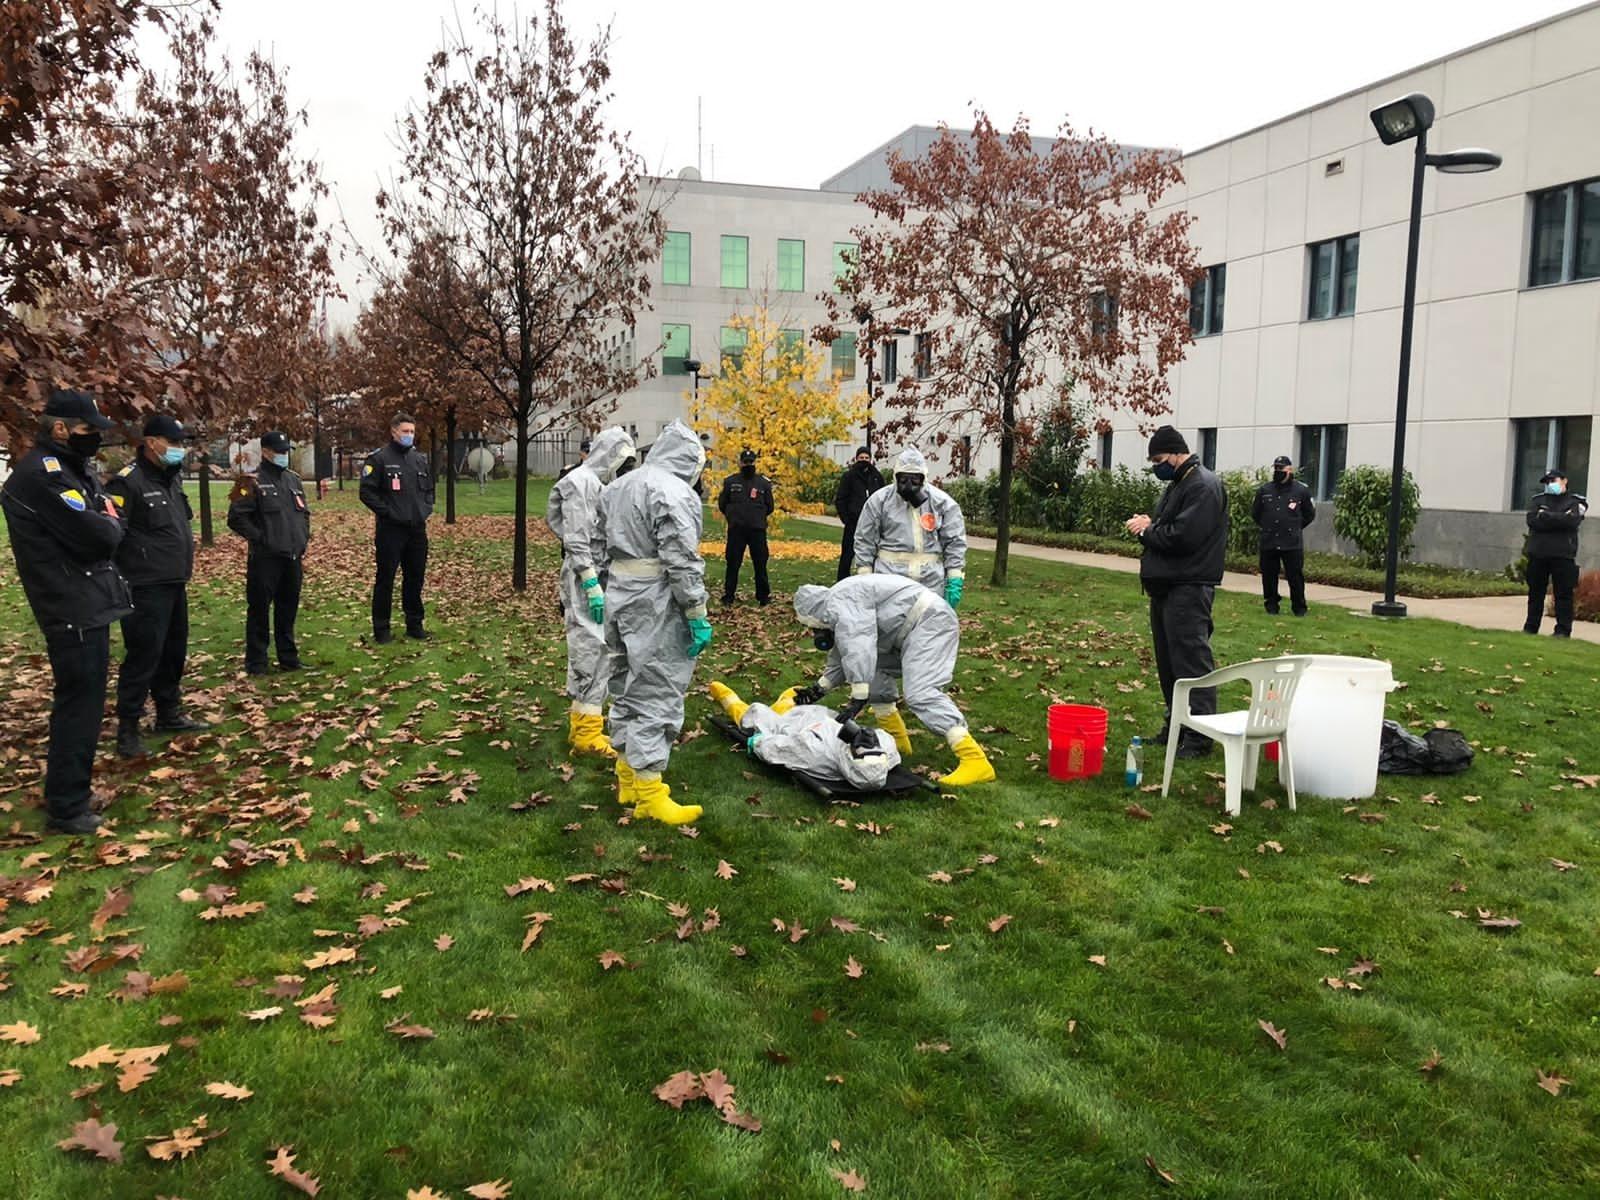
812, 739
268, 510
573, 515
655, 613
157, 559
915, 530
859, 481
397, 486
1283, 508
745, 503
65, 531
1553, 520
1185, 542
877, 629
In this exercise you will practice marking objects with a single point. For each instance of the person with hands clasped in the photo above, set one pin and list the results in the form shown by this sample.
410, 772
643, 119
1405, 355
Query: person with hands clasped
268, 510
397, 486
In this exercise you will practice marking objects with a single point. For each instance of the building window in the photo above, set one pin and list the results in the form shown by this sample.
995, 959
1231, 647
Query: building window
1546, 442
675, 258
1103, 313
1208, 448
1103, 458
1333, 278
735, 261
1205, 301
891, 361
844, 262
733, 343
1321, 458
674, 349
1566, 234
791, 265
792, 342
922, 355
844, 356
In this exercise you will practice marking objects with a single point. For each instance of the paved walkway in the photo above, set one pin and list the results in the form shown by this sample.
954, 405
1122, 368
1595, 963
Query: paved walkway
1479, 612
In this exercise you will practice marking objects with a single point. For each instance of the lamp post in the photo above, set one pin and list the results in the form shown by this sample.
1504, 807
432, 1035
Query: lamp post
1398, 121
693, 365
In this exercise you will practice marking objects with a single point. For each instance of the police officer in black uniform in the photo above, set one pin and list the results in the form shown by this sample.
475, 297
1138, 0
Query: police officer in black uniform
746, 503
156, 558
64, 533
1283, 508
269, 511
859, 481
397, 486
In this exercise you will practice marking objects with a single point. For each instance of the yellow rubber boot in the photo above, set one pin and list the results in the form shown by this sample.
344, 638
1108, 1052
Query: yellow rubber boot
586, 734
654, 801
892, 723
784, 702
974, 766
627, 787
729, 699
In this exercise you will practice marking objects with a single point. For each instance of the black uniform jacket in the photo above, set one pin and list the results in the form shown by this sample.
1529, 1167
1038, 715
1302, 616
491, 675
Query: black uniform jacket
1187, 541
746, 500
269, 511
1283, 510
396, 484
158, 546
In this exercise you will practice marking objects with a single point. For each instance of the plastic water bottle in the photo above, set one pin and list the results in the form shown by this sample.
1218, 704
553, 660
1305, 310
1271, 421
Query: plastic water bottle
1133, 766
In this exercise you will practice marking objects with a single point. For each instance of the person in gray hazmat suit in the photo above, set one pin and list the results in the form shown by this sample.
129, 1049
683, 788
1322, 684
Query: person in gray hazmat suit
812, 739
650, 522
875, 628
915, 530
573, 515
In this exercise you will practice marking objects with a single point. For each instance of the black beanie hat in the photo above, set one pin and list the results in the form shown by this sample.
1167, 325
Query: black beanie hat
1167, 440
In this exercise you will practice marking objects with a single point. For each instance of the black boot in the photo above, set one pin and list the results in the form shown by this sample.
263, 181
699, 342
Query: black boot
177, 721
128, 742
418, 633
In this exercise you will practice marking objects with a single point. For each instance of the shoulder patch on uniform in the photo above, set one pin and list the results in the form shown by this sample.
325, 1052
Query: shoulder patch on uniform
367, 469
51, 463
118, 499
127, 470
73, 499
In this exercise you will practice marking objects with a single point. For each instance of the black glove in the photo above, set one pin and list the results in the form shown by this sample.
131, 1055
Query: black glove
851, 710
809, 694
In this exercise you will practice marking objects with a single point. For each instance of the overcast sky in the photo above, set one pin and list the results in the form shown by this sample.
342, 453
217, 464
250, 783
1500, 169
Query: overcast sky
792, 92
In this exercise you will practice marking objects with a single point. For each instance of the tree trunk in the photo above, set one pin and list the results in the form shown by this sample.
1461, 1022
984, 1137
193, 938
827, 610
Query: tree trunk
450, 465
338, 467
1002, 514
206, 538
519, 543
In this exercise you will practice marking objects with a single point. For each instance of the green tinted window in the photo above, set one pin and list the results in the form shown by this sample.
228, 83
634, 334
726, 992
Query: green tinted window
735, 261
675, 258
844, 356
844, 261
791, 265
733, 342
674, 349
791, 341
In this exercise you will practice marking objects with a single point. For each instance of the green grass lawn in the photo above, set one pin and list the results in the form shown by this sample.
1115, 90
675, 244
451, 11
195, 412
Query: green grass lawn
382, 804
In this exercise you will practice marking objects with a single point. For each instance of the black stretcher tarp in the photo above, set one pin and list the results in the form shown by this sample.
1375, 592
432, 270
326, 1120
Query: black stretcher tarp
899, 784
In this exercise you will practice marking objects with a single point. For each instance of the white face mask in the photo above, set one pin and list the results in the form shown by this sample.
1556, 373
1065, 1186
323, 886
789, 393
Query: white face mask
278, 460
1554, 487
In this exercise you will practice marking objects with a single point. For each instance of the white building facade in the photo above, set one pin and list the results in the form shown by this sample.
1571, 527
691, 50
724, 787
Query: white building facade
1302, 226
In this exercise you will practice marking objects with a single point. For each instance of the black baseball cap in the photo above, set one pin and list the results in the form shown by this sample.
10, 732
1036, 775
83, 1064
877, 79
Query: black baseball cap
162, 425
747, 455
1553, 474
1283, 460
277, 441
70, 406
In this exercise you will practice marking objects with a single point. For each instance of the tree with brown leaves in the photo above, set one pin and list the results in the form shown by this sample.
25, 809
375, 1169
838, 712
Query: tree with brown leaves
543, 214
1036, 276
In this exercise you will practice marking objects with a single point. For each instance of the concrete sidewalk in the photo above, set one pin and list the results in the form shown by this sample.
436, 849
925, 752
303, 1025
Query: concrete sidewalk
1480, 612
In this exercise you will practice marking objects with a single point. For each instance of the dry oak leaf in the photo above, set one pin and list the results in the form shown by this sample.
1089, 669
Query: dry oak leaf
100, 1056
10, 1077
443, 942
424, 1193
1498, 923
610, 958
332, 957
99, 1140
939, 877
282, 1165
845, 885
228, 1091
1098, 960
853, 969
1553, 1083
495, 1189
19, 1034
181, 1144
999, 923
679, 1089
115, 905
401, 1029
1138, 812
262, 1014
1279, 1036
1164, 1176
1431, 1064
725, 869
135, 1074
850, 1181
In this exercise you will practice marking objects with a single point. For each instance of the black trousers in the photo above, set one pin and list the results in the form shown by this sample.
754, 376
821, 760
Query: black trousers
1293, 565
402, 548
847, 550
1560, 574
155, 644
739, 538
1180, 623
271, 586
80, 662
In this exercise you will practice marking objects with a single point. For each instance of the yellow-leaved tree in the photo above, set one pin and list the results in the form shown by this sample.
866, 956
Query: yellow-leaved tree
776, 394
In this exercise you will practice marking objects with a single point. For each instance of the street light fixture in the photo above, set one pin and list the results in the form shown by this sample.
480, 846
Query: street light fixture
693, 365
1398, 121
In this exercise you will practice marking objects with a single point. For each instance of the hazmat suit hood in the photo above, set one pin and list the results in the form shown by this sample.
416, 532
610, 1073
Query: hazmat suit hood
678, 450
810, 605
610, 449
911, 462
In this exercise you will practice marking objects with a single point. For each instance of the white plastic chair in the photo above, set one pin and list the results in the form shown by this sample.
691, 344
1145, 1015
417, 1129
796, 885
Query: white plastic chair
1273, 682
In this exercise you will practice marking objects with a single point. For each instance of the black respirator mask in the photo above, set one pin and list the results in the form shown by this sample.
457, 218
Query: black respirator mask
909, 488
863, 742
1279, 475
822, 639
628, 464
85, 444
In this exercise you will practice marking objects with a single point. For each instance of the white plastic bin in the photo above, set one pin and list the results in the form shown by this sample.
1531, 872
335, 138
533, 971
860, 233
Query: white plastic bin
1336, 726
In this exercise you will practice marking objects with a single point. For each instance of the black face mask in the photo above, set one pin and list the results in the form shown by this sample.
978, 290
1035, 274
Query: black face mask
910, 488
85, 444
822, 639
747, 470
1280, 476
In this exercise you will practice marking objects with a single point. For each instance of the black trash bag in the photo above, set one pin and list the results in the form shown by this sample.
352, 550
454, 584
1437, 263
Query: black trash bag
1438, 752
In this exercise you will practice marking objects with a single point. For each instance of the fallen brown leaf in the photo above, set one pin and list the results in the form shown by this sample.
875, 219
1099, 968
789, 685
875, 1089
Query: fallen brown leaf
1279, 1036
1553, 1083
19, 1034
282, 1165
999, 923
99, 1140
850, 1181
228, 1091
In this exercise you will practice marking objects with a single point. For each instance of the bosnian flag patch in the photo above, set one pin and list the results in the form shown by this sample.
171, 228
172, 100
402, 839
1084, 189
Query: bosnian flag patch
74, 500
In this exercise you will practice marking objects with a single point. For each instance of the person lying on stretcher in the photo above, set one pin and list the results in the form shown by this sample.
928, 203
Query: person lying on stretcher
812, 739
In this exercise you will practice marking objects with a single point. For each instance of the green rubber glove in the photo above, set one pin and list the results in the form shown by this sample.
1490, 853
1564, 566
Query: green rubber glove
952, 591
750, 743
597, 601
699, 635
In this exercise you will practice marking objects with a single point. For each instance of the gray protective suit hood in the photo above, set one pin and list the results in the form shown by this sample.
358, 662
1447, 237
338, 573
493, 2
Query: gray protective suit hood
911, 462
679, 451
810, 605
610, 449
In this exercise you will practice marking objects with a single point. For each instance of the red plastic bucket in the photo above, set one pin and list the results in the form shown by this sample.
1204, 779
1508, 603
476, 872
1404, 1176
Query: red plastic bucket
1272, 751
1077, 735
